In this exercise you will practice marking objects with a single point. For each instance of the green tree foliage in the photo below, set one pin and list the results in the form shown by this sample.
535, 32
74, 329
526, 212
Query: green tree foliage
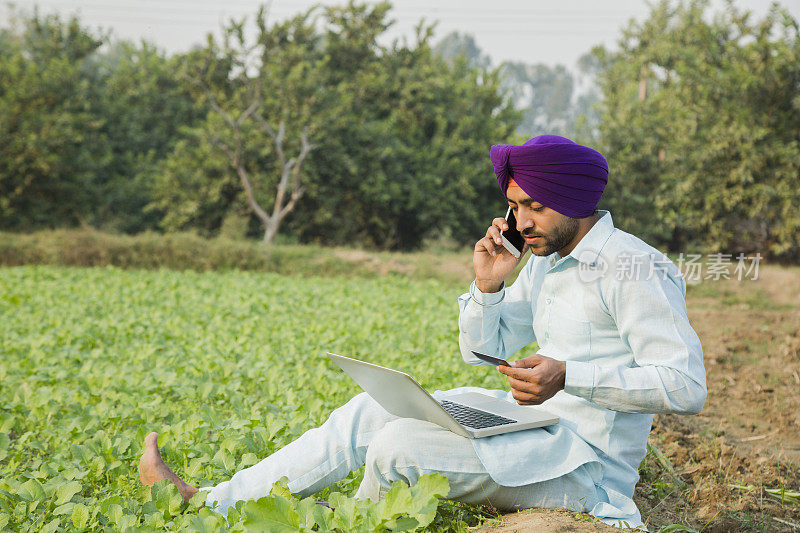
253, 93
50, 143
400, 135
142, 106
700, 124
81, 127
700, 119
405, 151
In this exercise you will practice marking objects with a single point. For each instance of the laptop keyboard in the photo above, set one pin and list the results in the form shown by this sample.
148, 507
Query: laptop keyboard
474, 418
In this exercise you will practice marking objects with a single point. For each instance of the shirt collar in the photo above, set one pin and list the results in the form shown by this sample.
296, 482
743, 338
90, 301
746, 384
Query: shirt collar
590, 246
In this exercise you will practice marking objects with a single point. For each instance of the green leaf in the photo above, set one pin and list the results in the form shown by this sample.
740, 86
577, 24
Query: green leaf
108, 503
425, 495
345, 515
248, 459
207, 524
32, 490
114, 513
281, 488
160, 494
127, 521
50, 527
431, 485
271, 514
397, 501
66, 491
198, 500
5, 444
80, 516
312, 514
65, 509
405, 523
122, 445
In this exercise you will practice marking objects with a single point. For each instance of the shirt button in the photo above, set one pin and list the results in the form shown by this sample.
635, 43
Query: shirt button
547, 335
549, 300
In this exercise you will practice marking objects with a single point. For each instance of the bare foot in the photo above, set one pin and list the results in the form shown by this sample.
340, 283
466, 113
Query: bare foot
152, 468
151, 464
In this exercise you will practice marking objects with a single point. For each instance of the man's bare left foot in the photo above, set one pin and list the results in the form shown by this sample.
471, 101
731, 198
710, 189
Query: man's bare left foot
152, 468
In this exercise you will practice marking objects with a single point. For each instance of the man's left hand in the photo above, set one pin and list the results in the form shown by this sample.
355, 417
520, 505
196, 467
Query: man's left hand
535, 379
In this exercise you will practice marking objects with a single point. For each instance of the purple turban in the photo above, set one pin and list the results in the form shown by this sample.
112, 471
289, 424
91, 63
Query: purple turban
554, 171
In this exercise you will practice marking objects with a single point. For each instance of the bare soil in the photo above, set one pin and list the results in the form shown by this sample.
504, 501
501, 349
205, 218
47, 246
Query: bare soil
541, 520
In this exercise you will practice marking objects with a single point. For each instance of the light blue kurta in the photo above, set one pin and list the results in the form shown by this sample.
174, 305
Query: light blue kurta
614, 309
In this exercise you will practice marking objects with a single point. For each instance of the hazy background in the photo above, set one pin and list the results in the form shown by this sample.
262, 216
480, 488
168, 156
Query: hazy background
532, 31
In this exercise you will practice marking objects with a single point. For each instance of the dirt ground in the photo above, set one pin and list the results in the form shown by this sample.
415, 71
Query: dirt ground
541, 521
722, 470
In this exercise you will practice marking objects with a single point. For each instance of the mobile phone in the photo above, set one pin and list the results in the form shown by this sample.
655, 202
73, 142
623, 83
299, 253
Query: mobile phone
489, 359
512, 239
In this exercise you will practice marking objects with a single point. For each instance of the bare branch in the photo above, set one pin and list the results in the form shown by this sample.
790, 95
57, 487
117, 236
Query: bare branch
210, 97
235, 155
277, 138
281, 132
296, 165
265, 126
289, 183
224, 147
296, 195
281, 191
305, 148
251, 199
255, 104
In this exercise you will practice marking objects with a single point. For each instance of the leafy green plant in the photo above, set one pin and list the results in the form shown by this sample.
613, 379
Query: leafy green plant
227, 366
402, 509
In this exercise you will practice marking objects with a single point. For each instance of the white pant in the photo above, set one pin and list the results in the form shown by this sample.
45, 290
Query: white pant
362, 433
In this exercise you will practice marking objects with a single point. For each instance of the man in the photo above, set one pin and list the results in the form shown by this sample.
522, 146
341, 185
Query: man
613, 350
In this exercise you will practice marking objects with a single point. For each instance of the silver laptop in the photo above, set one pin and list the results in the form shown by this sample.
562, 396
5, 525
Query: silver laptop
470, 414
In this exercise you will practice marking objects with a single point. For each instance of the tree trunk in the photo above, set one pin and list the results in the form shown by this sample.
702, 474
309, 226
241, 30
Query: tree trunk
270, 231
289, 189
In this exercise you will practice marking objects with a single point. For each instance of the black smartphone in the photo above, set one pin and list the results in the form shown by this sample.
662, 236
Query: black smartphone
512, 239
489, 359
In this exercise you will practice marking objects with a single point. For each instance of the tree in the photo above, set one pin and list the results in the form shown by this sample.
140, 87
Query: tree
407, 152
455, 45
271, 81
543, 93
552, 100
141, 106
51, 144
700, 123
401, 136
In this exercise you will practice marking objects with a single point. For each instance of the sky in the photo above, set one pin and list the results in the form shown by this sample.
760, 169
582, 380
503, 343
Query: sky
531, 31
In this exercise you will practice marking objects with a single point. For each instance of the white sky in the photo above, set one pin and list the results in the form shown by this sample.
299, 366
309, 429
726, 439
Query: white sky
533, 31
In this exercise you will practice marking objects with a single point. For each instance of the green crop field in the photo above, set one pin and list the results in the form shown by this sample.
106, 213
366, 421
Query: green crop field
227, 367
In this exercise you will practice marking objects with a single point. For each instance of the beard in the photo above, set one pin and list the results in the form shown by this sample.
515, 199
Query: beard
557, 239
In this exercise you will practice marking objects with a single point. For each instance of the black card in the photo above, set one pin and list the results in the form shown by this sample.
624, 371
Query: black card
489, 359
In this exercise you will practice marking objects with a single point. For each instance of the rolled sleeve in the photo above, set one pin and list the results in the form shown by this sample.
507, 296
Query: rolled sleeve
486, 298
580, 379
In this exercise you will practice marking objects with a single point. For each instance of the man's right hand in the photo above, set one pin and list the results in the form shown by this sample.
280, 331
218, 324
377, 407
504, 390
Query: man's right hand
492, 262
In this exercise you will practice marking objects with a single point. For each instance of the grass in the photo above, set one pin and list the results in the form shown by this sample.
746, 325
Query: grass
187, 251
